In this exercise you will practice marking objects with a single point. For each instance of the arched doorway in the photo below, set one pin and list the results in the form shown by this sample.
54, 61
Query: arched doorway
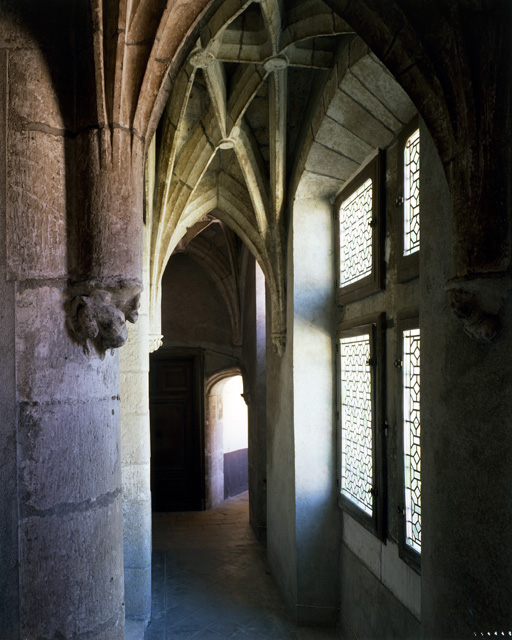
226, 437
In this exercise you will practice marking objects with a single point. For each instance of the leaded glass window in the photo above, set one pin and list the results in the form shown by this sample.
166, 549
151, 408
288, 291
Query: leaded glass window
359, 229
411, 437
356, 235
412, 194
356, 421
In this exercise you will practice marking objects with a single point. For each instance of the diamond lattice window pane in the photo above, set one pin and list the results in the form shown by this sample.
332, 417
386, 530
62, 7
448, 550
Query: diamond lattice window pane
412, 430
412, 194
356, 421
356, 235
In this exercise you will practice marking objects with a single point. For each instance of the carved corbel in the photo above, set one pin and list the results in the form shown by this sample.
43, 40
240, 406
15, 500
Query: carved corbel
97, 313
105, 246
477, 301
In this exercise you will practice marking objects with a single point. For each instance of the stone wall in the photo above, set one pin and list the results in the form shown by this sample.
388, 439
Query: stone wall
466, 405
194, 314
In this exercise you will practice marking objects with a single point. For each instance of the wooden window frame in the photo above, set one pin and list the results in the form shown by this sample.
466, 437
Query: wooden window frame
374, 326
374, 281
408, 319
408, 267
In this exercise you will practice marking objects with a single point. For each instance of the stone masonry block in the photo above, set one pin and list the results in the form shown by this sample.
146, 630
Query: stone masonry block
68, 454
331, 134
138, 592
330, 163
135, 482
135, 398
373, 74
32, 100
353, 117
71, 567
134, 355
137, 533
135, 440
357, 49
313, 185
357, 90
36, 214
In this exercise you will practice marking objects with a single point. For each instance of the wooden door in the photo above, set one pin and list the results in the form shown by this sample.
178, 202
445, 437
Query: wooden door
176, 444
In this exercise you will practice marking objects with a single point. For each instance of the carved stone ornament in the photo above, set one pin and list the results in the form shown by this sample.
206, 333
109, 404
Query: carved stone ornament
477, 300
275, 63
155, 341
200, 59
98, 311
226, 143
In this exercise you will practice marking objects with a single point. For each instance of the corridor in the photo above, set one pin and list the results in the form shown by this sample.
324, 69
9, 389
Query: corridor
211, 580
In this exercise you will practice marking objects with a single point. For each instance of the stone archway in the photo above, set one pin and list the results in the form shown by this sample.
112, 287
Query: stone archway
214, 427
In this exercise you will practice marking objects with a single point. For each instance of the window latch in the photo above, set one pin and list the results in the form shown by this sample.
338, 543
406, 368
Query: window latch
372, 223
398, 363
400, 510
399, 201
374, 492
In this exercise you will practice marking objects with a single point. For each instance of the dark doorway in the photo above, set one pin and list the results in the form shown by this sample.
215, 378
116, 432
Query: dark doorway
177, 482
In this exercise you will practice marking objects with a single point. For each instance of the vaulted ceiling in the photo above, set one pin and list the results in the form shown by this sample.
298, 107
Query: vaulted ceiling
248, 118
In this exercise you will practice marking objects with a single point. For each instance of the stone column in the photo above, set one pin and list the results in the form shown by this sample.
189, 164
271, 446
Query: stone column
135, 456
9, 603
66, 429
74, 212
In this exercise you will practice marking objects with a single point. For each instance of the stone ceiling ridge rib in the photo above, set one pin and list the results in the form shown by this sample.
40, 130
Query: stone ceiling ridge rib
201, 58
172, 24
249, 80
216, 84
173, 118
273, 18
275, 63
228, 11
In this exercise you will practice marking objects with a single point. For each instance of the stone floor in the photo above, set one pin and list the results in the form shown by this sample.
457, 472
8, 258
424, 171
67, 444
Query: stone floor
211, 580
